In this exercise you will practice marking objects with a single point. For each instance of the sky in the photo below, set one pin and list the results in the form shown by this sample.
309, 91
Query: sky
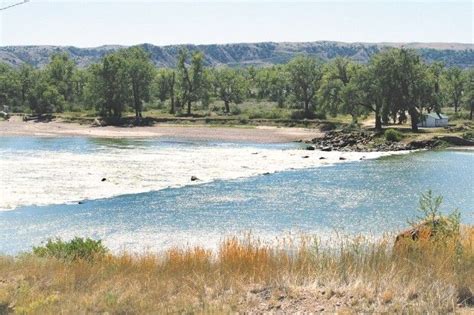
90, 23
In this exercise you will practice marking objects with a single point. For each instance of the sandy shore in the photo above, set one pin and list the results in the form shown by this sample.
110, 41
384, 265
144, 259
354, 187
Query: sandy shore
16, 127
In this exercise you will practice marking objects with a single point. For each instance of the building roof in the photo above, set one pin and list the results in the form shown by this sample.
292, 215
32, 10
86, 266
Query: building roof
437, 116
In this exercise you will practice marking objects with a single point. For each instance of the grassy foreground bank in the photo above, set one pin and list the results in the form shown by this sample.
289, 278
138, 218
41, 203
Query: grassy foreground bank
431, 275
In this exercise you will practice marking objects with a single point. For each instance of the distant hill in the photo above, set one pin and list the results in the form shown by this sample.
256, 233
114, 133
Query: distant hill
257, 54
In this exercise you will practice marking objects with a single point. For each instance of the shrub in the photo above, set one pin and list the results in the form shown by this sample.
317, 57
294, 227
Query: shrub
393, 135
235, 110
77, 248
441, 226
468, 135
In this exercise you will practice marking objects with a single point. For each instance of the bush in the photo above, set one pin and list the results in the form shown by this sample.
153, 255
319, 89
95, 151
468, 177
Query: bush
468, 135
235, 110
441, 226
393, 135
77, 248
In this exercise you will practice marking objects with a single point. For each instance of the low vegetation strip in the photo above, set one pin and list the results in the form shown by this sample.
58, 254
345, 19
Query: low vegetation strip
429, 269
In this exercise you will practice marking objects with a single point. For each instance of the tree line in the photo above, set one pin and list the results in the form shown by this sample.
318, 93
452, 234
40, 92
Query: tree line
396, 85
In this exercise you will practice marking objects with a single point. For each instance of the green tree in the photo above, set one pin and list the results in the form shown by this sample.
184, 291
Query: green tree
229, 85
10, 87
111, 85
59, 73
190, 78
305, 76
272, 83
338, 91
454, 86
435, 72
140, 71
404, 82
26, 77
468, 97
44, 97
164, 87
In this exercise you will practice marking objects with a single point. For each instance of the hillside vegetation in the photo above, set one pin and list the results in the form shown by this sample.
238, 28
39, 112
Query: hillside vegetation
257, 54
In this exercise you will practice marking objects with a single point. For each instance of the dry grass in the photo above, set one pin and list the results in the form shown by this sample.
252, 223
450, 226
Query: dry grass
245, 275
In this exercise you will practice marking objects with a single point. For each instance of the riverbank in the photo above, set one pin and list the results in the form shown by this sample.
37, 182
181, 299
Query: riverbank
256, 134
326, 135
431, 276
368, 141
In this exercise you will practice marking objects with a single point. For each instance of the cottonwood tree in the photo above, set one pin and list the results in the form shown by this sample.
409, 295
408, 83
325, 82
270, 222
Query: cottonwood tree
468, 96
404, 82
44, 97
369, 93
338, 91
26, 79
140, 71
305, 75
59, 73
229, 85
454, 86
10, 87
164, 87
111, 84
190, 78
272, 83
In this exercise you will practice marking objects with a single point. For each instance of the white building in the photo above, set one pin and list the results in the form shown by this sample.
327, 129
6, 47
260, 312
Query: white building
433, 120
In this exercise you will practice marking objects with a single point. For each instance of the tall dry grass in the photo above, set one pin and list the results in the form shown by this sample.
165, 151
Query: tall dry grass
435, 276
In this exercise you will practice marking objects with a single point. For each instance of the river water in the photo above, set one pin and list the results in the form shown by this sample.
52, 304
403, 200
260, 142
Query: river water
147, 201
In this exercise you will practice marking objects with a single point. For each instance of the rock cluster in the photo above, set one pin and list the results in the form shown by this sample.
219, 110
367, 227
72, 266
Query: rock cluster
365, 141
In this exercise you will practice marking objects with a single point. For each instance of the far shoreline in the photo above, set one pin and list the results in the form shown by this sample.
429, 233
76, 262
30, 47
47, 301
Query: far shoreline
257, 134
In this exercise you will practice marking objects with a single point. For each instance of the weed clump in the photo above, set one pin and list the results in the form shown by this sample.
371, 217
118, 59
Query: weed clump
393, 135
77, 248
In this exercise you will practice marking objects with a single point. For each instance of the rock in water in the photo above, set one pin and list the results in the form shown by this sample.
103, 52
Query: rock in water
103, 179
194, 178
310, 148
342, 158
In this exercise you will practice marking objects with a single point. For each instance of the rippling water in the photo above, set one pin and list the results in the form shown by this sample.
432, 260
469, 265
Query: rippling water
369, 196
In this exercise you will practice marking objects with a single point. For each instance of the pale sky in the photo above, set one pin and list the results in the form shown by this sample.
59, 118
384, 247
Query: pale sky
89, 23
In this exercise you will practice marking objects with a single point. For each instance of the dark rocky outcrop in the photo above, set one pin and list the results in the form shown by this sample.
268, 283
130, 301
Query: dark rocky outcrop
456, 140
367, 141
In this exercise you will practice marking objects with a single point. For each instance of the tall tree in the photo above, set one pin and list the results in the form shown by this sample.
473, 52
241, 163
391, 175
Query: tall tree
190, 78
404, 82
370, 92
272, 83
44, 97
229, 85
305, 76
454, 86
26, 77
59, 73
10, 87
338, 89
111, 84
164, 87
140, 72
468, 96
